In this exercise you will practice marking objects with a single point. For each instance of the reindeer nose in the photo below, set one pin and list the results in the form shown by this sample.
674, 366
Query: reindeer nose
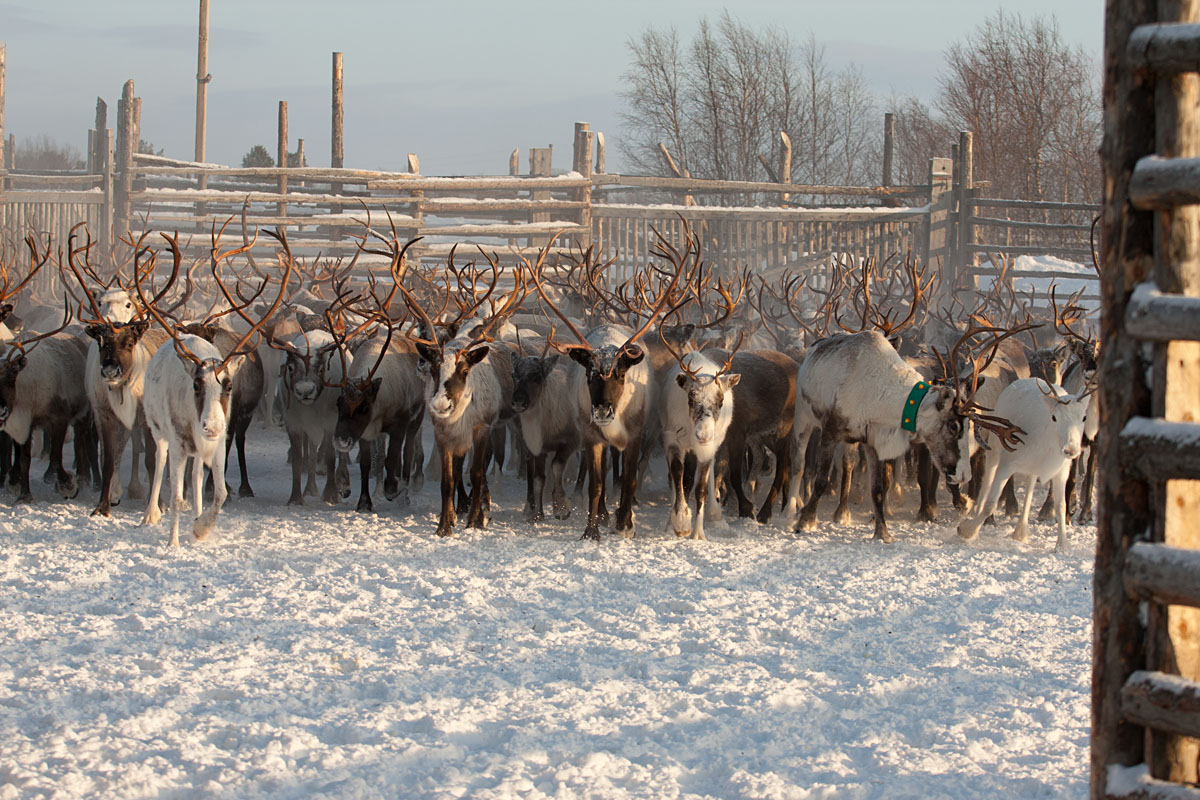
343, 444
1072, 451
110, 371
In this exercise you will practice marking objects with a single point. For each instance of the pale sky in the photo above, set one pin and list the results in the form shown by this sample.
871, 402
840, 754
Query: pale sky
459, 83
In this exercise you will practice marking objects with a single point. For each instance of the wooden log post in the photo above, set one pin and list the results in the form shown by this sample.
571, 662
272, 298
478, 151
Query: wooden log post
418, 211
281, 147
301, 159
600, 152
336, 140
965, 258
1127, 255
1173, 643
3, 150
539, 167
203, 78
106, 210
126, 126
941, 175
785, 167
889, 140
582, 163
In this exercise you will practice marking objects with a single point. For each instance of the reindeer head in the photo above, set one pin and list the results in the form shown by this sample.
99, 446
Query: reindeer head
606, 368
447, 385
529, 379
706, 394
309, 365
116, 306
10, 367
212, 384
117, 344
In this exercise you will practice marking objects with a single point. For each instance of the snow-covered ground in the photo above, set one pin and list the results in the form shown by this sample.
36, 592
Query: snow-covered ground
317, 652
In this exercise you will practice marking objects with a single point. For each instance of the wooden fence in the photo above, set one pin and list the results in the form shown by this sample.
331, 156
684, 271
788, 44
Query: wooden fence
945, 221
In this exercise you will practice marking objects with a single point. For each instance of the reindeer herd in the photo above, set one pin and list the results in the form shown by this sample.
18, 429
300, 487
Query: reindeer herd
764, 393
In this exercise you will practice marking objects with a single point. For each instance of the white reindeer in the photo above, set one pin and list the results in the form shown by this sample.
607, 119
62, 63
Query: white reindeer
1052, 422
696, 407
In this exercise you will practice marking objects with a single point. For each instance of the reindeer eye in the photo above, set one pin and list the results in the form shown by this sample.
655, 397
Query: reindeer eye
1054, 418
955, 427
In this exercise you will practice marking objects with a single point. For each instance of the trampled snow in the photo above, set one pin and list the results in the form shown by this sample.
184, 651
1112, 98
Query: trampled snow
317, 652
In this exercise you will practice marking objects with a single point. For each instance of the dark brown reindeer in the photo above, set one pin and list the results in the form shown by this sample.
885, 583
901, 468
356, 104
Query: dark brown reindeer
614, 387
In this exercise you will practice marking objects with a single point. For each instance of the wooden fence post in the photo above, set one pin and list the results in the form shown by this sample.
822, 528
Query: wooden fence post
965, 257
582, 157
281, 147
106, 210
335, 140
785, 168
1125, 512
539, 167
941, 175
124, 162
301, 159
600, 152
3, 149
889, 139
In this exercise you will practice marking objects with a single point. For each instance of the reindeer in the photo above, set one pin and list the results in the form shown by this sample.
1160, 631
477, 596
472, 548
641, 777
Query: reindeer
696, 408
187, 392
385, 398
115, 373
615, 391
1052, 422
468, 391
41, 387
857, 388
549, 427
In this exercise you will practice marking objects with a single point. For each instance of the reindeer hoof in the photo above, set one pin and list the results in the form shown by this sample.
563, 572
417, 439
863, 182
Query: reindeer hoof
296, 500
562, 509
365, 506
391, 488
23, 498
445, 531
245, 491
882, 535
841, 516
927, 514
135, 491
68, 487
591, 532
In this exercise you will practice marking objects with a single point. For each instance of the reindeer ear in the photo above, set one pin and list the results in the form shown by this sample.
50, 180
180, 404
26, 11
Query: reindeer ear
429, 354
138, 329
579, 354
95, 331
476, 354
548, 364
373, 389
731, 380
681, 379
20, 363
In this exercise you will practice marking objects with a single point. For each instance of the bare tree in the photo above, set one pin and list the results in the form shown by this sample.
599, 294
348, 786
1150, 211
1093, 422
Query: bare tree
720, 104
43, 152
920, 136
1033, 104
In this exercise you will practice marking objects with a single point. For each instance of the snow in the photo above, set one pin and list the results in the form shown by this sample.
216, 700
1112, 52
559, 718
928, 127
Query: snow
317, 652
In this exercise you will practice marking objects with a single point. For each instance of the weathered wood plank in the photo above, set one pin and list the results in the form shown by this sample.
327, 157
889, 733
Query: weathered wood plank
1016, 223
1152, 314
1048, 205
1158, 450
1034, 250
1163, 183
1165, 47
1168, 575
84, 198
697, 186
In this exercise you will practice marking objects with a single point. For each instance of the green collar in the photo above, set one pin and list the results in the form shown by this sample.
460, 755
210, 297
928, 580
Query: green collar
908, 420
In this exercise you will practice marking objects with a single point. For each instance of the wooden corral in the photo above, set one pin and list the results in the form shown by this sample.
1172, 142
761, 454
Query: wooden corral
1146, 653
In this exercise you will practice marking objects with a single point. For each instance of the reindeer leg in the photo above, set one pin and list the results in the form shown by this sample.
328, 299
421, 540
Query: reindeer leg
451, 472
562, 504
198, 484
595, 465
535, 479
65, 482
204, 523
112, 447
881, 481
807, 520
244, 489
603, 510
927, 482
783, 465
737, 478
629, 480
1085, 492
331, 494
680, 521
1058, 489
364, 467
178, 468
841, 514
481, 457
703, 474
462, 500
392, 466
414, 464
295, 449
137, 436
153, 509
1021, 532
24, 456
